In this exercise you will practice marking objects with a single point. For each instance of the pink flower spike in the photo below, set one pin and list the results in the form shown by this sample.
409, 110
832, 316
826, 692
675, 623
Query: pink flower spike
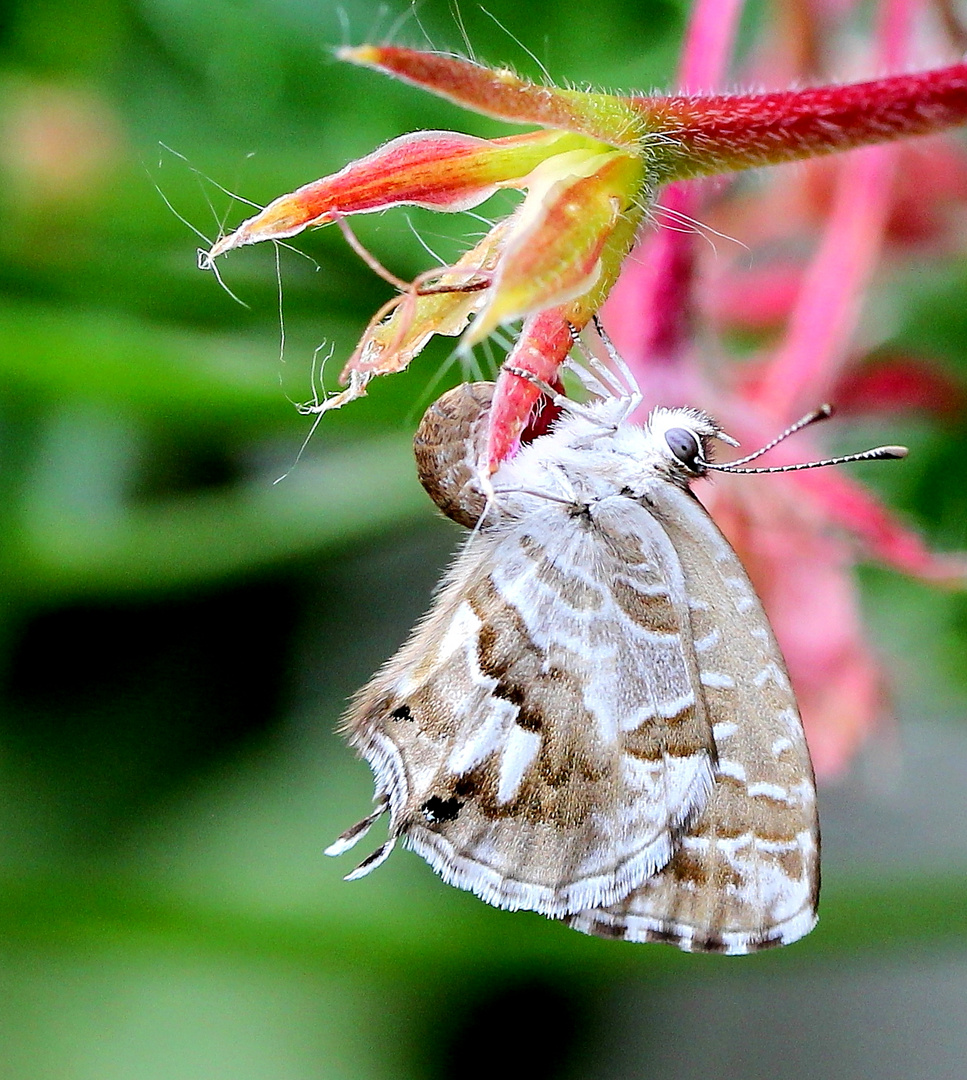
847, 504
652, 306
709, 39
817, 341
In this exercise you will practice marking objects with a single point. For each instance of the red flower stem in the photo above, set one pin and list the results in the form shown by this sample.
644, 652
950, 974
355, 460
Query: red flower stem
723, 133
698, 135
544, 341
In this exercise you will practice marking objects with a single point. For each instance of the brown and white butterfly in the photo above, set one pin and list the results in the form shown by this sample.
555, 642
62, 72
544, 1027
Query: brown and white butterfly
594, 720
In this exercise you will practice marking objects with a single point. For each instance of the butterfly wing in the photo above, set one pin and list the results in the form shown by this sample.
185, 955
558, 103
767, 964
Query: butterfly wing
746, 873
539, 739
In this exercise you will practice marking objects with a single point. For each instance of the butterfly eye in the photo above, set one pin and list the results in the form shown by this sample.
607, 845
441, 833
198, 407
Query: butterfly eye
683, 445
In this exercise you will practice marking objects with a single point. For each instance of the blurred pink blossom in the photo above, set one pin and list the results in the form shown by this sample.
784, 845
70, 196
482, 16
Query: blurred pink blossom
799, 534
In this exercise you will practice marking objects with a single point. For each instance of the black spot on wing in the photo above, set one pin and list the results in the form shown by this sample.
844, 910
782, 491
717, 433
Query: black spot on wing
509, 692
437, 810
402, 713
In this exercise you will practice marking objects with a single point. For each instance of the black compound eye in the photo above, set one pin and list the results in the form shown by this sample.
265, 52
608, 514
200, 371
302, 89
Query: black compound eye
683, 445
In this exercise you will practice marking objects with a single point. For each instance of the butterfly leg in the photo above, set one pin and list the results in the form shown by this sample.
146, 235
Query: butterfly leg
600, 380
628, 389
562, 401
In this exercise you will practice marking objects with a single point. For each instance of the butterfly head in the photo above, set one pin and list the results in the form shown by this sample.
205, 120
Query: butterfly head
681, 439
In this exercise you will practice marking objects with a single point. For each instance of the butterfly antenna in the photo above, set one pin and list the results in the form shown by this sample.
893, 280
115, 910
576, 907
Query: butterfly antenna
824, 412
878, 453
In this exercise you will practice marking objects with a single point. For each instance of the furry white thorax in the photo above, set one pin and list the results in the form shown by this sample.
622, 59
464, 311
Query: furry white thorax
595, 453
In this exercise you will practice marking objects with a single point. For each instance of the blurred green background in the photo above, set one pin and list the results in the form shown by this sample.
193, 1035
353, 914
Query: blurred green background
179, 634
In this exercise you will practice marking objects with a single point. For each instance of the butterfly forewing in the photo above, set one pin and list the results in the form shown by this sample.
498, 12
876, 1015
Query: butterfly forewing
519, 756
746, 875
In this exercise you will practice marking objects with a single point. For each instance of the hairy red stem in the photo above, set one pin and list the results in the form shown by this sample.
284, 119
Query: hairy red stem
722, 133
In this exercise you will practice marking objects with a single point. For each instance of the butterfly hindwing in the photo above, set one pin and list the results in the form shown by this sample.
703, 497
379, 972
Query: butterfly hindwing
746, 874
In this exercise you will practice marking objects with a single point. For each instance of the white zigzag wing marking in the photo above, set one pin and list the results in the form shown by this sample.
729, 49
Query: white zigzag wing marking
539, 738
746, 875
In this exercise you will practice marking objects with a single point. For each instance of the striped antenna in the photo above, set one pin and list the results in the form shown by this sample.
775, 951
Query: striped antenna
878, 453
824, 412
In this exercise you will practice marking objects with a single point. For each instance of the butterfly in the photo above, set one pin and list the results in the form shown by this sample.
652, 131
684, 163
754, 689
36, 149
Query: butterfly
594, 720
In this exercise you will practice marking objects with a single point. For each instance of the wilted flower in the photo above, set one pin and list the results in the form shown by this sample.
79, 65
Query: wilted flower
590, 176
